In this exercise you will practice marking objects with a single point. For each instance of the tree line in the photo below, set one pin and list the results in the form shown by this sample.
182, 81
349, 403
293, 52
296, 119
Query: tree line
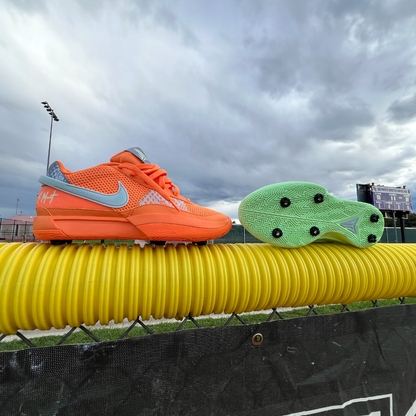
410, 222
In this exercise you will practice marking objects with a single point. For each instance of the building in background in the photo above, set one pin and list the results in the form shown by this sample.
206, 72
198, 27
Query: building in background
17, 228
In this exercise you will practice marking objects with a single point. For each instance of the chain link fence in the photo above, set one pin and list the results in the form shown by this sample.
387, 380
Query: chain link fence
238, 234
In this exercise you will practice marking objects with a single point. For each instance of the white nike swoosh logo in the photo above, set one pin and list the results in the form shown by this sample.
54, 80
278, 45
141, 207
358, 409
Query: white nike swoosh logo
117, 200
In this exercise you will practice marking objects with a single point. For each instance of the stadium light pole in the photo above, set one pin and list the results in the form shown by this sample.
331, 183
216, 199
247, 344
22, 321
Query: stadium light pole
53, 118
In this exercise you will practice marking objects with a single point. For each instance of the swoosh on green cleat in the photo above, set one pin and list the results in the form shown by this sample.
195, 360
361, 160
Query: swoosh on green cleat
351, 225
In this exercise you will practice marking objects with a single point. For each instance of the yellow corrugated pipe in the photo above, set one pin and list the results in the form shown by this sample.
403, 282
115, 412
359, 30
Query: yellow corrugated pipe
44, 286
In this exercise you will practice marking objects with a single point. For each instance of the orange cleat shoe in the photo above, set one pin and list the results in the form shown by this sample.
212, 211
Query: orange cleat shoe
126, 199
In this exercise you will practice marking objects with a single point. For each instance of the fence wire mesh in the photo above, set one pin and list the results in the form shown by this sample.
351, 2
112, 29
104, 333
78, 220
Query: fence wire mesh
311, 310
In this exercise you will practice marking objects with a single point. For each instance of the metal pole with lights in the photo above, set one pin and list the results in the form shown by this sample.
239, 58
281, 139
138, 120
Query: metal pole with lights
53, 118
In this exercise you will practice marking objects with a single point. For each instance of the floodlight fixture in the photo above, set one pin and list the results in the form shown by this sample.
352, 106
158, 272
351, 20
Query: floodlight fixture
54, 117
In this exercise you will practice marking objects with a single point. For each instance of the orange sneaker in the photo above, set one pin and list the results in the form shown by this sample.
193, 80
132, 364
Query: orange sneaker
126, 199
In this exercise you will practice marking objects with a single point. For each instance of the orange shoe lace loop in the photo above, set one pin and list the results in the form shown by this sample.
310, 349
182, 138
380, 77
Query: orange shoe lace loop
159, 176
155, 173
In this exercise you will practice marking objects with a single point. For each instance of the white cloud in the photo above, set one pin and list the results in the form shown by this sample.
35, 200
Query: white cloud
227, 98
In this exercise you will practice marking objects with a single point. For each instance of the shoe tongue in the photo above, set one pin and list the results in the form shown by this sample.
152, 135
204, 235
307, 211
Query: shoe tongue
134, 155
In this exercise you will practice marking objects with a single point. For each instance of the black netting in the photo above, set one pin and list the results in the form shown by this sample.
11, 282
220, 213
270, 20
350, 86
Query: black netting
351, 363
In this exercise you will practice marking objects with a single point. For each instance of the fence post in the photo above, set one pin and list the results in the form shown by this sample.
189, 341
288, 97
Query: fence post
14, 223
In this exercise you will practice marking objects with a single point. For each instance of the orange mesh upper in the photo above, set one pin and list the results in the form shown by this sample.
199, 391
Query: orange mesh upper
105, 179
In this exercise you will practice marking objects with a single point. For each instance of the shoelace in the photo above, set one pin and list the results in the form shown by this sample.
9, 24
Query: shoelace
159, 176
155, 173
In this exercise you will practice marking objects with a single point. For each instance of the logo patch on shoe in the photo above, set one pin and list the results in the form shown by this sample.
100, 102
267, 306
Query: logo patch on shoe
351, 225
117, 200
43, 197
136, 151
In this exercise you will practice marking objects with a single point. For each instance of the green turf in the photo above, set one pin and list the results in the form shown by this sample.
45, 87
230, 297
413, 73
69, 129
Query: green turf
288, 215
106, 242
107, 334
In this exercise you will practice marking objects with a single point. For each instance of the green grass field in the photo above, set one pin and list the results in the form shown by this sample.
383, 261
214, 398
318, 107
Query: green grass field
79, 337
106, 242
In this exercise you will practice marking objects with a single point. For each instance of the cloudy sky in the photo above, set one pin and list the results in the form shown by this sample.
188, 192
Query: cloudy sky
227, 96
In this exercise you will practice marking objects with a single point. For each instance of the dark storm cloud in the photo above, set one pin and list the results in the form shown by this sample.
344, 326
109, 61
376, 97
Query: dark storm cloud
28, 6
226, 96
168, 19
402, 111
339, 119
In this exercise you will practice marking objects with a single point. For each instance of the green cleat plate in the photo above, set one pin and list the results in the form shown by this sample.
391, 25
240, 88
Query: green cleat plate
293, 214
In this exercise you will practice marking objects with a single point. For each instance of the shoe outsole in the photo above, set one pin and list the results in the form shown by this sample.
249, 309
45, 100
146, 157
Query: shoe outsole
294, 214
63, 229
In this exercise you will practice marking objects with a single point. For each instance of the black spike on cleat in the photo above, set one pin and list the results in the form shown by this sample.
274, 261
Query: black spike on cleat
285, 202
277, 233
60, 242
157, 243
372, 238
314, 231
201, 243
318, 198
374, 218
